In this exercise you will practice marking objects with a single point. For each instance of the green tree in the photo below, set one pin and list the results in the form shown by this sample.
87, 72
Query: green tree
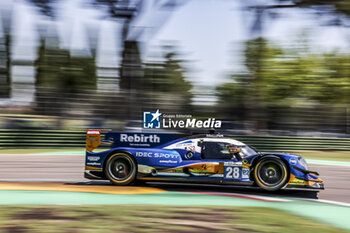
167, 77
340, 6
247, 96
155, 84
59, 76
5, 82
56, 68
5, 54
279, 78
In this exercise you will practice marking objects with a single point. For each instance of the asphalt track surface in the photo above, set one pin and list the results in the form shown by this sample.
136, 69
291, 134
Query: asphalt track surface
70, 168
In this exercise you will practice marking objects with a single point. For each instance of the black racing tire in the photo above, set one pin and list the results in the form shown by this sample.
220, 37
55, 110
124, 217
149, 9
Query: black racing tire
121, 169
271, 173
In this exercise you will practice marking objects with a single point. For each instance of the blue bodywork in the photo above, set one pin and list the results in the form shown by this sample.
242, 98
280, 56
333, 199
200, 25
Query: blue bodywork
156, 161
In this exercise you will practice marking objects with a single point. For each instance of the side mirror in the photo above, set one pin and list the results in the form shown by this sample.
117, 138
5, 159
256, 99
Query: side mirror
199, 143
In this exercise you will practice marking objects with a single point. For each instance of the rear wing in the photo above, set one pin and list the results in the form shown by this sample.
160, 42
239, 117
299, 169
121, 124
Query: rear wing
129, 139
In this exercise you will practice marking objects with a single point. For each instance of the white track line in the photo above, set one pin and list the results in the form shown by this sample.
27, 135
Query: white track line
333, 202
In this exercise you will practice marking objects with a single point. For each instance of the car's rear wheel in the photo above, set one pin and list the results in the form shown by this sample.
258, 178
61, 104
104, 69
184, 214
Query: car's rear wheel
270, 173
121, 169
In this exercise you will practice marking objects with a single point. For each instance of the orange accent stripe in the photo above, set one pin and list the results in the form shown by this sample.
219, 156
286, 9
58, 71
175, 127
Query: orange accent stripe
92, 168
109, 189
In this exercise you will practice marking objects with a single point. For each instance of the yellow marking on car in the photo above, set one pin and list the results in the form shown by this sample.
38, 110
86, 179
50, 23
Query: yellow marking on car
317, 180
221, 168
92, 168
196, 168
296, 181
106, 189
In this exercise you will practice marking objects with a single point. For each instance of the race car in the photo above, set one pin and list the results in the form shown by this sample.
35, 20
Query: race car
206, 158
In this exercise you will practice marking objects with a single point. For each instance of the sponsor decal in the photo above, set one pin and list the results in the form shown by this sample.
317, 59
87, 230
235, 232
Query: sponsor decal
93, 158
153, 120
93, 164
189, 155
156, 155
215, 136
167, 161
144, 139
245, 173
153, 138
298, 182
231, 163
188, 146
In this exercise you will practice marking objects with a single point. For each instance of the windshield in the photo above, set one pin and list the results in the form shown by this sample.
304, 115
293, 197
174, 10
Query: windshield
246, 151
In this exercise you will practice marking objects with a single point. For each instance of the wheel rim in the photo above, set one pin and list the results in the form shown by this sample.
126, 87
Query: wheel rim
271, 173
120, 168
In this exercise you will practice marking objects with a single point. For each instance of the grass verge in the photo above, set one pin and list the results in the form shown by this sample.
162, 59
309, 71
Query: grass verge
325, 155
129, 218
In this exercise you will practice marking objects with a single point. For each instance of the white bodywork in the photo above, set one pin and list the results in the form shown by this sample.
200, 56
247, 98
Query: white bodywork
193, 143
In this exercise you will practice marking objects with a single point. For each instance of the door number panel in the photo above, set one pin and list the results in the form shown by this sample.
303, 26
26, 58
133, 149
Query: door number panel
235, 172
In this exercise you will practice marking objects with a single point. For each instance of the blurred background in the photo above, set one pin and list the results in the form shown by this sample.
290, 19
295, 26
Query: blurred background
264, 67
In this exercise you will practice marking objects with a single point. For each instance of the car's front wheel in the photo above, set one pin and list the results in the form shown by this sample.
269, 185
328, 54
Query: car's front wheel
121, 169
270, 173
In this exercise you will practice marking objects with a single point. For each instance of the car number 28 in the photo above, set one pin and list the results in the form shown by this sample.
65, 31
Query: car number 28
232, 172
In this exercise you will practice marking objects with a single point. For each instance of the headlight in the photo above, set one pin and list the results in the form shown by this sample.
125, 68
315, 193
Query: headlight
302, 162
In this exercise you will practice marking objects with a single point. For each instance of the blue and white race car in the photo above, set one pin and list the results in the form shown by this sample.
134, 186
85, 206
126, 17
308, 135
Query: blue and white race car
211, 158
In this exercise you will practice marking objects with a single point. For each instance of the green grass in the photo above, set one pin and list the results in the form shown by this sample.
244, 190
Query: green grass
128, 218
326, 155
